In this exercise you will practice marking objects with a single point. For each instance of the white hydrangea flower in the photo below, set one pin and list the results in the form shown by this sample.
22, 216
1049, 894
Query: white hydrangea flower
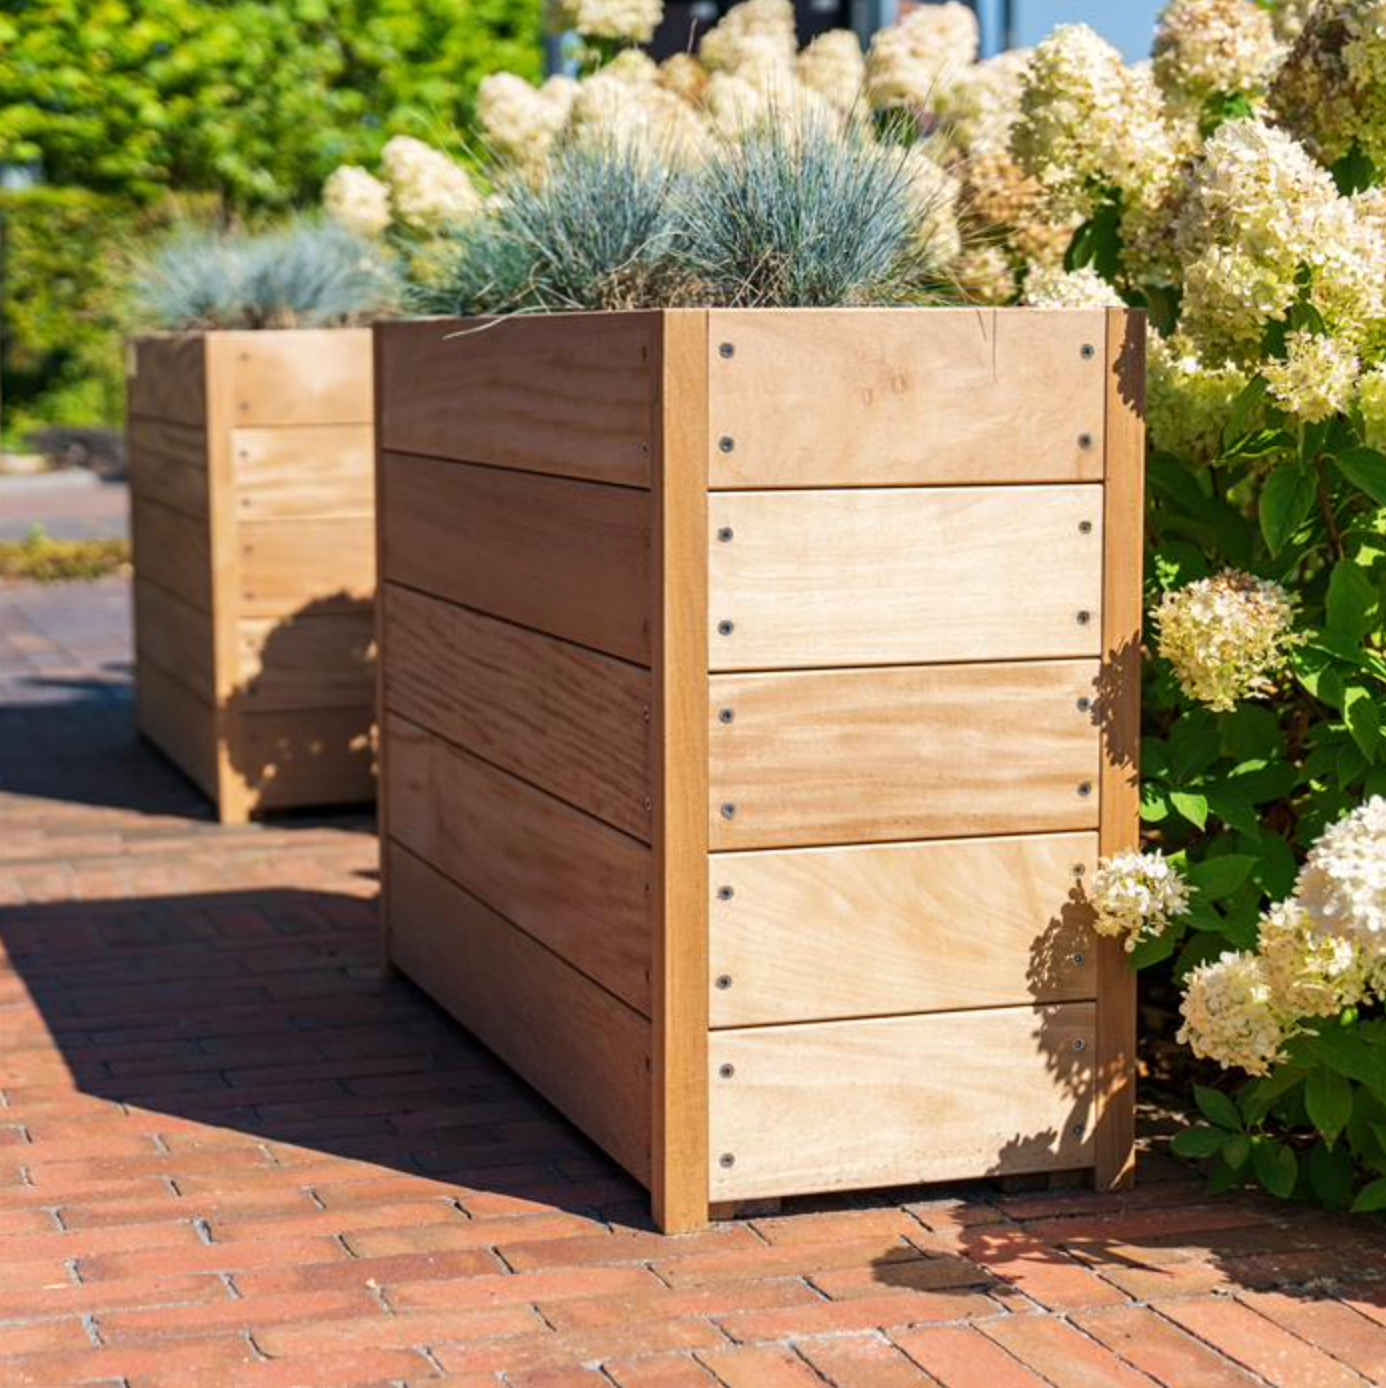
1135, 896
519, 121
626, 21
685, 76
1316, 378
1342, 884
981, 104
641, 114
934, 193
429, 191
1311, 973
1230, 1015
1226, 636
984, 273
1290, 16
1371, 400
1206, 48
1054, 287
357, 200
1187, 400
911, 63
750, 27
833, 66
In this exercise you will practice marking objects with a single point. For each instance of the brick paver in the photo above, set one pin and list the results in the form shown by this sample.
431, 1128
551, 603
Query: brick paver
233, 1156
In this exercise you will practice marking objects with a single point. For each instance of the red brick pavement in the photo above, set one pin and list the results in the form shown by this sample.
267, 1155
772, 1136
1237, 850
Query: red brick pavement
231, 1156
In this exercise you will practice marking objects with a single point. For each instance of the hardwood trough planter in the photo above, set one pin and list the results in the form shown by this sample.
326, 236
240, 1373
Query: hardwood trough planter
253, 519
758, 688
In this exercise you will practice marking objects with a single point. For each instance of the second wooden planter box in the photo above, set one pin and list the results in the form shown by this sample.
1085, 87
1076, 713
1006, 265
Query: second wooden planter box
758, 689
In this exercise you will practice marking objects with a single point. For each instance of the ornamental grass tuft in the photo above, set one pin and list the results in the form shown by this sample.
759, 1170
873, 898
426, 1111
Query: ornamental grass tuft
304, 274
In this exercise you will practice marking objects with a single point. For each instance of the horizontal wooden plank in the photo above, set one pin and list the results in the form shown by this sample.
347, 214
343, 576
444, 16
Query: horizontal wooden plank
167, 378
172, 549
855, 756
176, 636
569, 558
890, 576
818, 933
303, 471
855, 397
583, 1049
292, 567
307, 662
575, 884
897, 1100
296, 758
569, 394
168, 463
177, 722
573, 722
300, 376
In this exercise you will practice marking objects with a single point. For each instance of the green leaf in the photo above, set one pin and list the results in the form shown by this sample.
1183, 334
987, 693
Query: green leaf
1233, 808
1350, 1052
1328, 1101
1363, 718
1216, 878
1276, 1168
1365, 468
1157, 949
1245, 408
1276, 866
1371, 1197
1354, 172
1262, 1095
1250, 733
1331, 1176
1154, 803
1286, 500
1260, 781
1192, 806
1217, 1108
1353, 601
1236, 1149
1196, 1143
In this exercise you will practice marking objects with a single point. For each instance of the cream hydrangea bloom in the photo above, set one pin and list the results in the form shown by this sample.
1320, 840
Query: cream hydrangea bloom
1206, 48
985, 274
623, 108
357, 200
833, 66
1371, 400
428, 190
911, 63
685, 76
1316, 378
1230, 1014
627, 21
1311, 973
1342, 884
1186, 400
1135, 896
1226, 636
1054, 287
982, 103
934, 193
767, 25
520, 122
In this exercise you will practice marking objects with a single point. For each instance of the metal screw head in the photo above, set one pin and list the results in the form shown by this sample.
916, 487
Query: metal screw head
726, 349
724, 981
724, 534
1084, 787
725, 628
726, 1159
1079, 869
1080, 1044
1077, 1130
1084, 704
1083, 617
1084, 440
726, 715
1085, 527
725, 893
1079, 960
728, 810
726, 443
1087, 351
726, 1071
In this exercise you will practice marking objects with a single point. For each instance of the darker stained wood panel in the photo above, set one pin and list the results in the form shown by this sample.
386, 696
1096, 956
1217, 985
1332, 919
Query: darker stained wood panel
168, 463
168, 379
568, 558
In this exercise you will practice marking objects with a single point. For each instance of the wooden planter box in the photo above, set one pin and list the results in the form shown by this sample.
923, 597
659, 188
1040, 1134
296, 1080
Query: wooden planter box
758, 688
252, 511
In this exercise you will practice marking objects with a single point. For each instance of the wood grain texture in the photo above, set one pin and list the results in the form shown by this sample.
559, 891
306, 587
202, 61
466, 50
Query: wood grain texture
567, 394
299, 376
167, 378
1119, 706
578, 886
679, 600
382, 814
890, 1101
820, 933
856, 397
177, 637
168, 463
573, 722
287, 567
172, 549
890, 576
317, 756
568, 558
580, 1047
856, 756
177, 722
305, 472
319, 661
